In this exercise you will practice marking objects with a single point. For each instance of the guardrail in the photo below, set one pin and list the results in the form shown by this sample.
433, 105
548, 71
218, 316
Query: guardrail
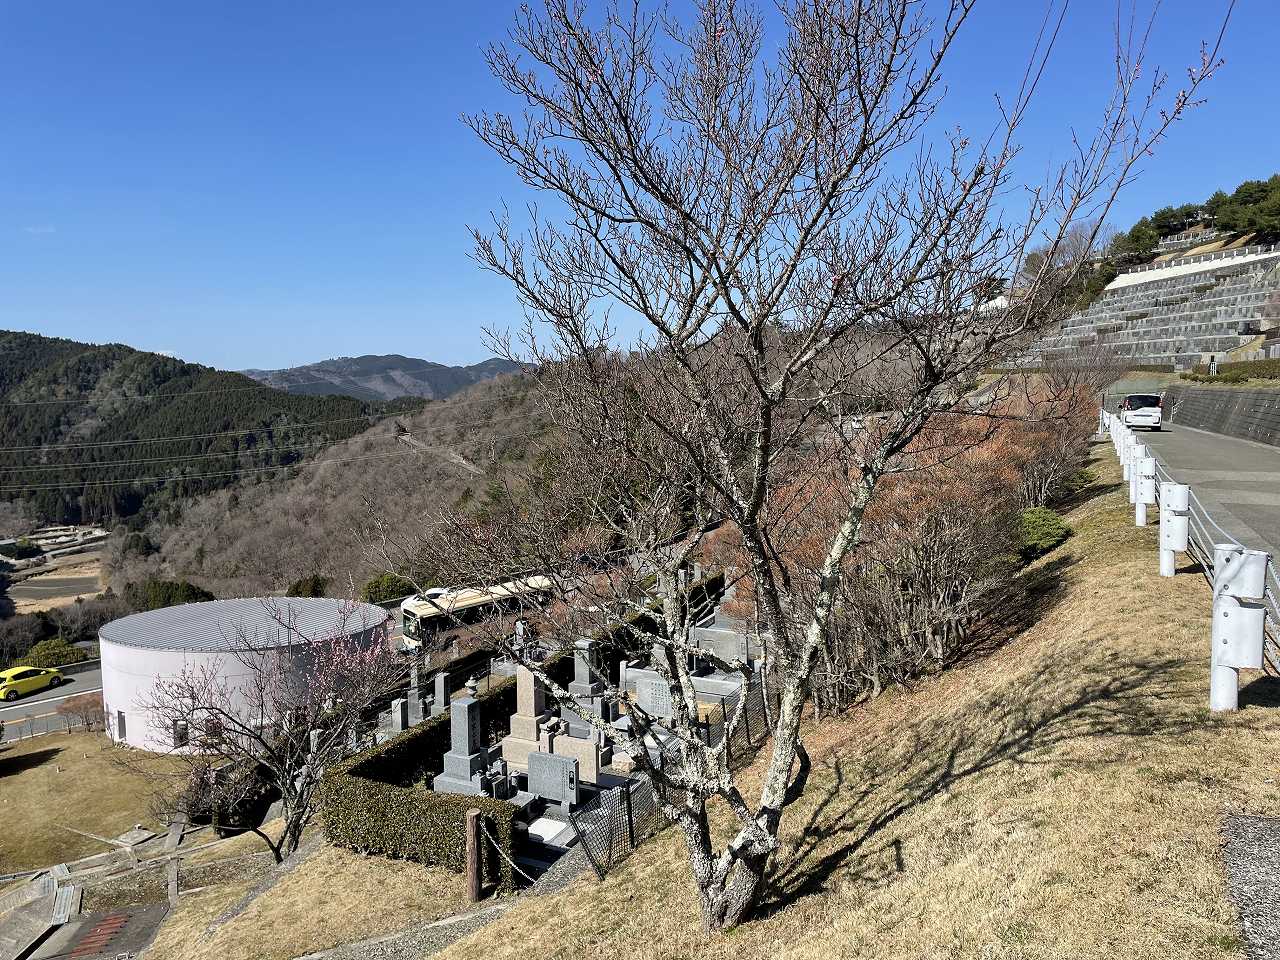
1204, 258
1245, 623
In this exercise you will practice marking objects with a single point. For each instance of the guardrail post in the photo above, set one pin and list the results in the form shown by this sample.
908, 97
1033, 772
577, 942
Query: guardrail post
1137, 453
1239, 619
1175, 506
1145, 485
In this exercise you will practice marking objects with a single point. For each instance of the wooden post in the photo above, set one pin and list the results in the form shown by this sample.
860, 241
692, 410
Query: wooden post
473, 855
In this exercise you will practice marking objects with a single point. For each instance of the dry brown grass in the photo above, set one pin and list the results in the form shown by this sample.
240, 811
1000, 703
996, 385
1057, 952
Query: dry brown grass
64, 780
331, 897
1060, 797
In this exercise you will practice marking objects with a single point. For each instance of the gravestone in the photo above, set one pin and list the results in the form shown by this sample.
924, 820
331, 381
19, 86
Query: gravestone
528, 734
554, 779
467, 760
440, 701
654, 698
399, 715
588, 690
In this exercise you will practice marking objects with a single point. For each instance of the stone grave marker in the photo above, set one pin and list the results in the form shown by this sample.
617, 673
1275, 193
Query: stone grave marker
654, 698
554, 778
441, 699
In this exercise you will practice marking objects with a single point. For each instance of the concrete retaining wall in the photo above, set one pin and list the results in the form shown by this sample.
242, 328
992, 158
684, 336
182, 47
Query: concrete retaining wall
1250, 414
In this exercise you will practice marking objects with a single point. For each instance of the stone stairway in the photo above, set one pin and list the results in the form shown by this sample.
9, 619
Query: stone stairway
29, 912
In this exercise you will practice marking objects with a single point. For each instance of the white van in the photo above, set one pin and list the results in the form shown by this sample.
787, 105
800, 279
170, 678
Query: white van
1142, 410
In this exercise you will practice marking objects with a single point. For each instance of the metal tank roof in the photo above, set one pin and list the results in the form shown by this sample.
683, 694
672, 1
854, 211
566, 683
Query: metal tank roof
220, 624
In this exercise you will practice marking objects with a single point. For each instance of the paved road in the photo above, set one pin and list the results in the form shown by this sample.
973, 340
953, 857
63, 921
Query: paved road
1238, 481
46, 701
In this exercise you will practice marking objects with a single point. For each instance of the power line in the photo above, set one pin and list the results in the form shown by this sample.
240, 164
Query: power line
240, 473
231, 453
192, 436
372, 418
176, 459
89, 397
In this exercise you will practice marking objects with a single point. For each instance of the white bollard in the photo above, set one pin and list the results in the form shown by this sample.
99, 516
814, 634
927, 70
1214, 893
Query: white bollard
1130, 452
1146, 490
1137, 451
1239, 619
1175, 504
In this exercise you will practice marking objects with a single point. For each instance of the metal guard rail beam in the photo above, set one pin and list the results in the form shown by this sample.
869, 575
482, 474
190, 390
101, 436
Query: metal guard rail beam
1201, 539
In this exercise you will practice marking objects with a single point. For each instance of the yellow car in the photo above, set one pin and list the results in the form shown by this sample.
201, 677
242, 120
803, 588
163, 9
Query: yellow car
17, 681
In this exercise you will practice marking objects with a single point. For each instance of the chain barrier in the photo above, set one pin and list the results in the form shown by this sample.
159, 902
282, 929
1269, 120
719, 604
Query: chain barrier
502, 853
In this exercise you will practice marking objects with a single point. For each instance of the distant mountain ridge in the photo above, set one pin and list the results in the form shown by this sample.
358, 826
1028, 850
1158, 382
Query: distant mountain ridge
385, 377
103, 431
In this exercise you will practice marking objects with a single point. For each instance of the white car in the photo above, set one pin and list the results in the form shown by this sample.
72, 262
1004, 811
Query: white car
1142, 410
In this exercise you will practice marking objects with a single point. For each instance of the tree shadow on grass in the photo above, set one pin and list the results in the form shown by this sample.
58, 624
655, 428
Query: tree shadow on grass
1091, 491
1025, 601
1061, 703
11, 764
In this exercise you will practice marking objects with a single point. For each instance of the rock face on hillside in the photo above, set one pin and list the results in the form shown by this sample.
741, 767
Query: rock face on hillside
381, 377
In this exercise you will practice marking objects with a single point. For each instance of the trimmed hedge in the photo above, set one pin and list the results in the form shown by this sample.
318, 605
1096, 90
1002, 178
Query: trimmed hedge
380, 801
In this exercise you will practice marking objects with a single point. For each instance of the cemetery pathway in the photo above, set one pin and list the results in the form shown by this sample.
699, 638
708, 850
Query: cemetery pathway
428, 939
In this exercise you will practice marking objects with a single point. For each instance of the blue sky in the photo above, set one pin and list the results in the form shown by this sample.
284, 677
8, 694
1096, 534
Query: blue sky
267, 183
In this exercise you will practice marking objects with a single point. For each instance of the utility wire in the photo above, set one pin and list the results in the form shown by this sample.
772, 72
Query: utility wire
92, 398
193, 436
250, 450
372, 417
239, 473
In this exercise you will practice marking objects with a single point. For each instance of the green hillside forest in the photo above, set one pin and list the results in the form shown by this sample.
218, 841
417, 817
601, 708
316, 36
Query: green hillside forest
102, 433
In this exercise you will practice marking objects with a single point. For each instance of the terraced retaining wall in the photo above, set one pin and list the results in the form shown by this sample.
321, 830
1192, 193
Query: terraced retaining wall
1250, 414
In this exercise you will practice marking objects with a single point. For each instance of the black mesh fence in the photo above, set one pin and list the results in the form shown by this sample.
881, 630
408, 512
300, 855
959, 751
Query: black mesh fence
750, 730
613, 822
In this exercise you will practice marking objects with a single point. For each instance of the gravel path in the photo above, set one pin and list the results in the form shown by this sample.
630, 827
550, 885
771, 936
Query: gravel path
428, 939
1252, 856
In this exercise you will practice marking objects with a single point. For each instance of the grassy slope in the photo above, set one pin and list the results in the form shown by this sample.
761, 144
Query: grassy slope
332, 897
64, 780
1064, 792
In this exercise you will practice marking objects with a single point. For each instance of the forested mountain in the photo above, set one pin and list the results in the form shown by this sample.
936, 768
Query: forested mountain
102, 432
260, 537
381, 377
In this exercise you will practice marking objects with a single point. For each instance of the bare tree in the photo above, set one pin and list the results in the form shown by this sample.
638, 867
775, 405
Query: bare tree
807, 270
85, 709
293, 709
